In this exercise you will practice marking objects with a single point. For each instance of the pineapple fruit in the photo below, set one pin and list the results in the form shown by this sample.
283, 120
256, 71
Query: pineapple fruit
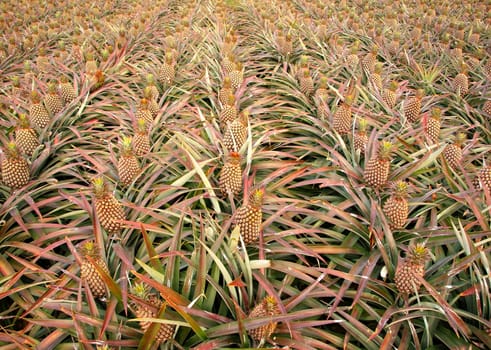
432, 125
52, 101
377, 168
38, 114
107, 207
229, 111
167, 71
484, 178
410, 270
225, 91
412, 107
453, 151
237, 76
143, 111
369, 61
268, 307
25, 136
128, 166
360, 138
389, 95
306, 82
342, 119
67, 92
249, 217
461, 81
15, 169
141, 139
230, 180
236, 133
396, 207
152, 105
89, 272
376, 76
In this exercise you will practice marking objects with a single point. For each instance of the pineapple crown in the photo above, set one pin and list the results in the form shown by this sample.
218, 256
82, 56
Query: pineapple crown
244, 117
385, 150
378, 67
140, 289
393, 85
141, 125
323, 82
15, 81
305, 73
52, 88
400, 188
126, 145
227, 83
348, 100
418, 254
436, 113
144, 103
269, 303
63, 79
460, 138
304, 61
362, 125
234, 158
419, 93
148, 93
150, 79
256, 198
35, 97
99, 186
168, 58
89, 248
27, 66
11, 150
239, 66
24, 121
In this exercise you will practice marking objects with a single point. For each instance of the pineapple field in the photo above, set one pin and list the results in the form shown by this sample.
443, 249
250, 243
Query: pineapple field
218, 174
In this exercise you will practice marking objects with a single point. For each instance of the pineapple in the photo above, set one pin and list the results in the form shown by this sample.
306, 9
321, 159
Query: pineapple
487, 68
432, 125
306, 82
91, 65
268, 307
52, 101
25, 136
152, 105
150, 308
389, 95
141, 139
237, 76
303, 64
410, 270
377, 168
229, 111
38, 114
67, 91
376, 77
231, 175
342, 119
285, 44
484, 178
396, 207
360, 139
89, 272
486, 108
167, 71
128, 166
453, 152
412, 107
249, 217
15, 169
225, 91
236, 133
97, 80
107, 207
461, 81
143, 111
369, 61
322, 92
153, 94
352, 59
228, 63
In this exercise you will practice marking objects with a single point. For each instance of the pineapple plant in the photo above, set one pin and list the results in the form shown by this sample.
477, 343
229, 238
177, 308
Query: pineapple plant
15, 169
107, 208
461, 81
249, 217
67, 92
141, 139
378, 166
167, 71
396, 207
342, 121
389, 95
128, 166
225, 91
360, 138
143, 111
237, 76
150, 307
26, 138
412, 107
91, 260
411, 269
432, 125
268, 307
38, 114
236, 133
230, 179
453, 151
306, 82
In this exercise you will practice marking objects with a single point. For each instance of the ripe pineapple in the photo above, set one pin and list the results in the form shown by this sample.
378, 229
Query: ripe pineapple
487, 68
107, 207
153, 94
128, 166
15, 169
389, 95
360, 139
461, 81
89, 272
91, 65
237, 76
396, 207
432, 125
376, 77
484, 177
306, 82
151, 309
141, 140
453, 152
230, 180
411, 269
486, 108
377, 168
369, 61
167, 71
352, 59
249, 217
342, 119
143, 111
225, 91
322, 92
152, 105
38, 114
25, 136
236, 133
229, 111
268, 307
97, 80
412, 107
228, 63
67, 91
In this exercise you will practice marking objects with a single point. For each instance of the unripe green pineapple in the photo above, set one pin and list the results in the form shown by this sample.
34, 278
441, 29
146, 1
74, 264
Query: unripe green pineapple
89, 273
38, 114
25, 136
52, 101
389, 95
230, 180
412, 107
268, 307
249, 217
15, 169
453, 152
411, 269
107, 207
377, 168
396, 207
128, 166
432, 125
342, 121
236, 133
